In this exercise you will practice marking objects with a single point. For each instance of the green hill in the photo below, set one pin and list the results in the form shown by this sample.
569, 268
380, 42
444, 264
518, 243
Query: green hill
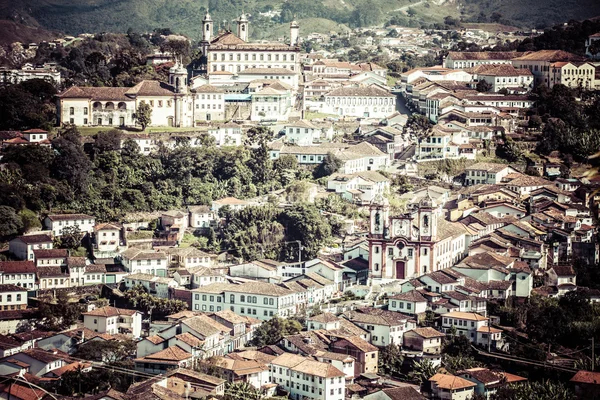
184, 16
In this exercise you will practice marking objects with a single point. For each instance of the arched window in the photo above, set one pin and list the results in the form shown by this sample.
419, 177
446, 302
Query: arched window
97, 106
122, 106
110, 105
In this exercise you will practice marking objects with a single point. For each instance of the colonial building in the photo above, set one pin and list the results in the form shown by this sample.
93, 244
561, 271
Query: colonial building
172, 104
233, 53
415, 243
362, 102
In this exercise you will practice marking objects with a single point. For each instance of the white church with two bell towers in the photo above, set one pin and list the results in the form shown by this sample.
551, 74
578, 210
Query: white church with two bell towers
414, 243
233, 53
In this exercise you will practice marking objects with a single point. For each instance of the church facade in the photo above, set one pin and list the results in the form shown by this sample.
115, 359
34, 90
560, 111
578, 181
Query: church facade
228, 52
411, 244
172, 103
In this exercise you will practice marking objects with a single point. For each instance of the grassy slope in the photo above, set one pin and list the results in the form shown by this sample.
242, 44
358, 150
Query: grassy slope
11, 32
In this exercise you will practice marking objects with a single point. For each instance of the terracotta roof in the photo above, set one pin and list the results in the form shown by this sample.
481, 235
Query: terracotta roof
483, 375
155, 339
208, 89
361, 91
484, 55
51, 253
403, 393
465, 315
17, 267
230, 201
550, 55
109, 311
563, 270
69, 217
451, 382
267, 71
151, 88
427, 332
171, 354
51, 272
324, 318
107, 226
413, 296
11, 288
357, 342
96, 93
189, 339
35, 239
588, 377
307, 366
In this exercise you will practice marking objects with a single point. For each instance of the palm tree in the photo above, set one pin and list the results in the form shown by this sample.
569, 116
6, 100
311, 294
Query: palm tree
422, 371
242, 391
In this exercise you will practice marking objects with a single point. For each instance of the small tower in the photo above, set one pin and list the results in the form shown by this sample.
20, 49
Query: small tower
380, 210
178, 78
294, 33
207, 28
242, 27
427, 218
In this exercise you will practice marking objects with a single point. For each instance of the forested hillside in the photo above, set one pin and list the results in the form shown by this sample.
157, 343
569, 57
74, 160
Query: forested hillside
184, 16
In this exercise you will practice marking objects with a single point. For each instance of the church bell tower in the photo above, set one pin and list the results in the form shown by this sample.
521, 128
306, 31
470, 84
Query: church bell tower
242, 27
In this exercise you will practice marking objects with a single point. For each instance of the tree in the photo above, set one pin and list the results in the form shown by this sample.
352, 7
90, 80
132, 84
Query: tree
273, 330
70, 162
417, 125
10, 222
422, 371
458, 345
330, 165
242, 391
70, 238
60, 314
304, 223
390, 360
30, 220
483, 86
533, 390
108, 351
143, 115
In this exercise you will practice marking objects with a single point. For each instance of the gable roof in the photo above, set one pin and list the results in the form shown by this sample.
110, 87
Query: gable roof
151, 88
451, 382
109, 311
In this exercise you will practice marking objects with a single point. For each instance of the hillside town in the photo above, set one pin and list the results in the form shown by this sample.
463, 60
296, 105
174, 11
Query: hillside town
275, 222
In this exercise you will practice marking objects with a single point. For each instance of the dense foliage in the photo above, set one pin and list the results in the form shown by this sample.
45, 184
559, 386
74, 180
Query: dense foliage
271, 331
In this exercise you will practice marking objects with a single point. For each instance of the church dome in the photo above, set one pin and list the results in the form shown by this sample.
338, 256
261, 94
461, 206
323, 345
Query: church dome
243, 18
427, 201
207, 17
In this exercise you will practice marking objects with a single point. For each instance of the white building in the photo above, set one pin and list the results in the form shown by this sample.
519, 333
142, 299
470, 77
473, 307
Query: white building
107, 238
20, 273
156, 286
145, 262
360, 187
201, 217
259, 300
13, 297
384, 327
233, 203
234, 54
302, 133
27, 72
306, 378
22, 247
360, 102
57, 222
283, 75
450, 387
226, 134
269, 104
113, 320
487, 173
410, 303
